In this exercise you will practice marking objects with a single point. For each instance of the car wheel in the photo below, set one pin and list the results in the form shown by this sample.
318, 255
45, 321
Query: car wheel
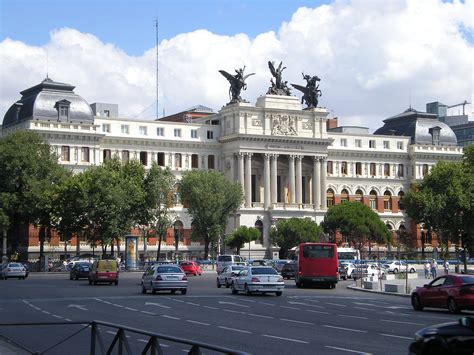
95, 282
412, 271
173, 292
232, 287
247, 291
70, 277
227, 284
143, 289
453, 306
416, 303
299, 284
90, 282
77, 278
218, 283
395, 271
278, 293
184, 291
116, 282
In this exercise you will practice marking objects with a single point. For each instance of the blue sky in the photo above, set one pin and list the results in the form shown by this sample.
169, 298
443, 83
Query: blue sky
130, 24
374, 57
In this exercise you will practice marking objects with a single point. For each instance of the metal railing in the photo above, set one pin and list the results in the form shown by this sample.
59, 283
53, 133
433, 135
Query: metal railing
120, 342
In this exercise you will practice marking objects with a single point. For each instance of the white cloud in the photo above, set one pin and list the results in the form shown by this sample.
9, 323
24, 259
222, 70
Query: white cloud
369, 54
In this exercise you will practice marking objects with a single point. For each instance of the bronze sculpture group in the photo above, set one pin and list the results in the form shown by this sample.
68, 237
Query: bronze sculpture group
311, 91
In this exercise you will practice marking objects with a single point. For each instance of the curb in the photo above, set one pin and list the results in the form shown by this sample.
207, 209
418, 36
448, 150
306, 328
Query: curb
355, 288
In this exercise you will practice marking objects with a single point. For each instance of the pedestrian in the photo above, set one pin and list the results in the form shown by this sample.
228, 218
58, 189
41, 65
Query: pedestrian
446, 267
434, 267
427, 268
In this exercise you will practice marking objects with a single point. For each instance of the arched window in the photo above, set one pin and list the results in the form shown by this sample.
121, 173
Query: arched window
358, 195
401, 205
387, 201
330, 197
259, 226
178, 232
373, 199
107, 154
344, 196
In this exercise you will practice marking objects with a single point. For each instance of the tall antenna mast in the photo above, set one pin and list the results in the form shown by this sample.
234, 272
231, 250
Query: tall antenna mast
47, 64
156, 27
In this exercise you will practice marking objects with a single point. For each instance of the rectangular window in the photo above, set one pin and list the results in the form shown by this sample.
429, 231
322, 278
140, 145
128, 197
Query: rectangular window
160, 131
210, 135
373, 203
344, 168
386, 144
358, 143
329, 167
400, 172
210, 162
125, 128
373, 169
372, 143
63, 111
194, 133
177, 132
65, 153
194, 161
107, 113
85, 154
125, 156
399, 145
107, 154
161, 159
144, 158
343, 142
142, 130
386, 169
177, 160
106, 127
358, 168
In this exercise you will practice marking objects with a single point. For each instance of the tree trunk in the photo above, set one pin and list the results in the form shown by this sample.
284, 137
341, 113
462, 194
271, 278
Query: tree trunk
112, 247
206, 248
158, 252
118, 246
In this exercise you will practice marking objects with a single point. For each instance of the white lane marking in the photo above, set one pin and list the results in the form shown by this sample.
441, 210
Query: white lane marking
307, 305
258, 315
232, 311
155, 304
379, 306
131, 309
46, 312
67, 320
366, 309
78, 306
342, 328
398, 314
150, 313
287, 339
170, 317
178, 301
246, 300
320, 312
267, 304
146, 341
210, 307
400, 322
111, 332
193, 304
196, 322
117, 305
234, 304
235, 330
396, 336
287, 307
347, 350
296, 321
56, 316
358, 317
336, 304
37, 308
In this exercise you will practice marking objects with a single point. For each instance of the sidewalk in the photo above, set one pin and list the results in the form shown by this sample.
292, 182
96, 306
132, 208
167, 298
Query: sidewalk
399, 286
9, 348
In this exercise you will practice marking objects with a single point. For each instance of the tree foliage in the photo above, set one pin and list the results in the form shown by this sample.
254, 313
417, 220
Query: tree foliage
293, 231
444, 201
242, 235
356, 222
211, 198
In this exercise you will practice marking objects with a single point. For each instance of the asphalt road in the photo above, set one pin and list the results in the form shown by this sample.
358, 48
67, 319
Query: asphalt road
302, 321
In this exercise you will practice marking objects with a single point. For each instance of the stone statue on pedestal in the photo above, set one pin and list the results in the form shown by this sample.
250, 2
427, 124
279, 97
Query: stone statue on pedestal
278, 87
237, 84
310, 92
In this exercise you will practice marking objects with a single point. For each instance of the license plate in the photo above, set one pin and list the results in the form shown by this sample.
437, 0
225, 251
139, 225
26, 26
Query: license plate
173, 278
267, 286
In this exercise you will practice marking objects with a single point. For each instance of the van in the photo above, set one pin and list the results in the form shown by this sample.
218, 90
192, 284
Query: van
104, 271
224, 260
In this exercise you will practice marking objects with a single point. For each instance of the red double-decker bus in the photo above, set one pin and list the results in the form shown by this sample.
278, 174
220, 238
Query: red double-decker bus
317, 264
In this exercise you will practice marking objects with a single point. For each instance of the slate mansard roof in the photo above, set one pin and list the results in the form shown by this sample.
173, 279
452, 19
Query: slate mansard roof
41, 102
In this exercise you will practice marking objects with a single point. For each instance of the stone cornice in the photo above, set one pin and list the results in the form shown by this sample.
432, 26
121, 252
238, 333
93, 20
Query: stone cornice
276, 139
143, 142
367, 154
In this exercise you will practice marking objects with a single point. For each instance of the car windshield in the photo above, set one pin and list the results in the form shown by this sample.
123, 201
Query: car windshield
318, 251
15, 265
467, 279
264, 271
238, 267
82, 264
169, 270
226, 258
186, 264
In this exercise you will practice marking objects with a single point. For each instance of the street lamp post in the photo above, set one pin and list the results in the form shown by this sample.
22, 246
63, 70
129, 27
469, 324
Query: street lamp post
176, 242
78, 242
4, 247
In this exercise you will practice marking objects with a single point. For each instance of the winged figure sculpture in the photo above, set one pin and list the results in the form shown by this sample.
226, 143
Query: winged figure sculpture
279, 87
310, 92
237, 84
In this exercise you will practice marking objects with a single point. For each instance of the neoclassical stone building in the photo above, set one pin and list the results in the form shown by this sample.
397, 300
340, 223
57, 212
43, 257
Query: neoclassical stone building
291, 162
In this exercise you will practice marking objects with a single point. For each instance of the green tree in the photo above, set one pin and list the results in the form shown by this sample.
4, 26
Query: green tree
211, 198
242, 235
29, 175
157, 215
357, 223
293, 231
443, 201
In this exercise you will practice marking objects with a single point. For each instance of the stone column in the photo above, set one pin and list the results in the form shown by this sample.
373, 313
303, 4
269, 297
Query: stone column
240, 158
273, 180
291, 177
324, 165
248, 180
266, 181
299, 188
316, 183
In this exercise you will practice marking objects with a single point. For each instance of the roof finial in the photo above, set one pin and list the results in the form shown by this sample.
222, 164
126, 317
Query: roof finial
409, 98
47, 65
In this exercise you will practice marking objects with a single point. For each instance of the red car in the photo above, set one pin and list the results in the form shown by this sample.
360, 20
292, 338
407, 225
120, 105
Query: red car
191, 267
454, 292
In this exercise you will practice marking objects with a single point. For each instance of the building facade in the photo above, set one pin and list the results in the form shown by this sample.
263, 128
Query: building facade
291, 162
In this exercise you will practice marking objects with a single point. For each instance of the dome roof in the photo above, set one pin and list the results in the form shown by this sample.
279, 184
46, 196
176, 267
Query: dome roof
43, 101
420, 126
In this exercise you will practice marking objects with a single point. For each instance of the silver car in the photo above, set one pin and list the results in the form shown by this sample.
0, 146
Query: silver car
225, 277
164, 278
262, 279
13, 270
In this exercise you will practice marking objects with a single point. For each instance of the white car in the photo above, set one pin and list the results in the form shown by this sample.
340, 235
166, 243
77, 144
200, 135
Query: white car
350, 267
262, 279
398, 266
225, 277
165, 277
13, 270
224, 260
